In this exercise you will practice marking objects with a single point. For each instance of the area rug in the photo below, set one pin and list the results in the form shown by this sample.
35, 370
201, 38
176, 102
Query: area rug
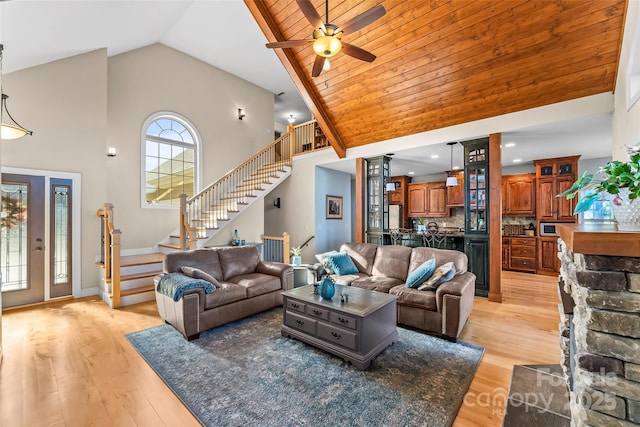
246, 374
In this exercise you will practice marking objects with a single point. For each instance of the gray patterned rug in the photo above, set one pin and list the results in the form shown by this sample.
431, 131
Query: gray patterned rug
246, 374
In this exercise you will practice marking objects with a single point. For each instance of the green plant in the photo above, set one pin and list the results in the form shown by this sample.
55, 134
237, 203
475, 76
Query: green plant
420, 221
296, 251
616, 175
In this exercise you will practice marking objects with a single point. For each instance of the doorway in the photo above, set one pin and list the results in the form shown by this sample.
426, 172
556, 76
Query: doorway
36, 228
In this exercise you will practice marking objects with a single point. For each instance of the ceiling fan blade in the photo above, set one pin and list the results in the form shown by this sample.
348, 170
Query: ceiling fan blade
357, 52
317, 66
288, 43
310, 12
364, 19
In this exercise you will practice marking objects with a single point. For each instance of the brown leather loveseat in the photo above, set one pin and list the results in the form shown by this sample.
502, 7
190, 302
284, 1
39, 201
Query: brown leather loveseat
386, 268
244, 284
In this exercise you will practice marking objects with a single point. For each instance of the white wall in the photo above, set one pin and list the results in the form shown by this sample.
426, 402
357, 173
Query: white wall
626, 124
158, 78
64, 103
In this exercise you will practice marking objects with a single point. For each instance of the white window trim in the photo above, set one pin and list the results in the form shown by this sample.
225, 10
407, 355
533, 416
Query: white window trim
197, 146
633, 68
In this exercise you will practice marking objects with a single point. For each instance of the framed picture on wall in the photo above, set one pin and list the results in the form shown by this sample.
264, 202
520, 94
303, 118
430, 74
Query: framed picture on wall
334, 207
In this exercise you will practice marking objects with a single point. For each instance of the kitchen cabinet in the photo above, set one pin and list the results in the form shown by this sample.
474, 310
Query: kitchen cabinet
553, 177
477, 250
519, 195
505, 253
400, 197
377, 199
548, 262
522, 254
455, 195
427, 199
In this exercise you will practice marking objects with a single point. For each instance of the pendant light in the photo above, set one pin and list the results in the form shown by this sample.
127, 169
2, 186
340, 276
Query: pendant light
12, 130
452, 181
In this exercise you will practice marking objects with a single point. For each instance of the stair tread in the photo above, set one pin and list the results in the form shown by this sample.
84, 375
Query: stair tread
135, 276
139, 290
170, 245
129, 260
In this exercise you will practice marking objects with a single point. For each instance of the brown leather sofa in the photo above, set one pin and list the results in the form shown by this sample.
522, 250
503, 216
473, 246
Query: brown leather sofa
385, 269
246, 285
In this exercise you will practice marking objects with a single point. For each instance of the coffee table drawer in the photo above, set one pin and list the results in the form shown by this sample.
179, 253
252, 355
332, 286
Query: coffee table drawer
337, 335
302, 323
342, 320
319, 312
296, 305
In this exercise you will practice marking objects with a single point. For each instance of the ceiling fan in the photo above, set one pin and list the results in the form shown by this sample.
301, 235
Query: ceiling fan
327, 36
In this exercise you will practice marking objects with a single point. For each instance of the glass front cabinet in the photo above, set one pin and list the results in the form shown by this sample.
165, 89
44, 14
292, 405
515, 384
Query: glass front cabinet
476, 210
377, 199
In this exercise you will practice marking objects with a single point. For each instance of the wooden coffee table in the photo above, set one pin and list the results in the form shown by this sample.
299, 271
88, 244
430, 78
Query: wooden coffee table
356, 330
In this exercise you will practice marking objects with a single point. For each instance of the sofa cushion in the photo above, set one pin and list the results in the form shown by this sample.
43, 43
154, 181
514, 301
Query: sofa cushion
257, 283
205, 259
237, 261
226, 293
442, 274
346, 280
376, 283
392, 261
362, 255
196, 273
425, 300
421, 254
341, 264
322, 259
421, 274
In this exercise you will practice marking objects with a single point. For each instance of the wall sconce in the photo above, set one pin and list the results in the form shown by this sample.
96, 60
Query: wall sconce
11, 131
276, 203
241, 113
111, 152
291, 119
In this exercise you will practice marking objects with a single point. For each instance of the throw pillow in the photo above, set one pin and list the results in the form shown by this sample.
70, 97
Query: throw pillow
322, 259
341, 264
442, 274
420, 274
196, 273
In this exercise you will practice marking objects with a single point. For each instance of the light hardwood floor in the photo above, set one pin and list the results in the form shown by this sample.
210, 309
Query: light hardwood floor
69, 364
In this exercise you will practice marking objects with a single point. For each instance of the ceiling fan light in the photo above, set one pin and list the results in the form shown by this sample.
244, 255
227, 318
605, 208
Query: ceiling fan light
327, 46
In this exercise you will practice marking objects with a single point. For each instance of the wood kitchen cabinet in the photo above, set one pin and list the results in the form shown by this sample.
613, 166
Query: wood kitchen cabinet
548, 262
519, 254
400, 196
455, 195
553, 177
505, 253
519, 195
427, 199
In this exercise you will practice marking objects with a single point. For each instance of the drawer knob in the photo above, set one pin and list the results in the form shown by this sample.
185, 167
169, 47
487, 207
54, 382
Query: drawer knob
336, 335
317, 312
343, 320
294, 305
300, 322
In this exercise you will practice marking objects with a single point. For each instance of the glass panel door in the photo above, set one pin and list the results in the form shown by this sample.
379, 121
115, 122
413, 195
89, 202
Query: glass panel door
60, 235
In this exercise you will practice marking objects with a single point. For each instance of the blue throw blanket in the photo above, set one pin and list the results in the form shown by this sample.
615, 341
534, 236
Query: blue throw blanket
174, 285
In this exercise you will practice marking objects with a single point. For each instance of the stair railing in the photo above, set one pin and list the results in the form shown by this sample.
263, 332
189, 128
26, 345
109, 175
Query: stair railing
110, 251
202, 211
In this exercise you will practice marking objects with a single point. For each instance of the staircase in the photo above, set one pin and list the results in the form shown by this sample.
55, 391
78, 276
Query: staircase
129, 278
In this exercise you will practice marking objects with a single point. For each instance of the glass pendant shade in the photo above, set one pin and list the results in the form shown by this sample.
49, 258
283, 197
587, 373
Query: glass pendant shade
327, 46
452, 181
12, 132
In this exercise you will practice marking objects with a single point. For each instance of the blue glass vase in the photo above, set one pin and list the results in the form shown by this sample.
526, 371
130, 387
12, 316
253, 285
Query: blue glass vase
327, 288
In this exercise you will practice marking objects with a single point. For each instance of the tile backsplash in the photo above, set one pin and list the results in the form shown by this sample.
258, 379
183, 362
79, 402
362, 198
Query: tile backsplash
456, 219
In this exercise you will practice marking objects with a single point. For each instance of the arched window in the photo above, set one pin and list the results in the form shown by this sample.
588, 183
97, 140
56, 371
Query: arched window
170, 159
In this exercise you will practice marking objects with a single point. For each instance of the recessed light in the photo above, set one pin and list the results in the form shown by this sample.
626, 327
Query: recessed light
456, 167
517, 160
510, 144
410, 173
434, 156
390, 154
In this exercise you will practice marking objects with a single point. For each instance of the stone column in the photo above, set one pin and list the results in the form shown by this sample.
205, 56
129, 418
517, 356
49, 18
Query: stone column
606, 317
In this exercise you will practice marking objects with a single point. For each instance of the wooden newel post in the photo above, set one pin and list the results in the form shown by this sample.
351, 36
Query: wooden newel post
292, 139
107, 225
286, 248
183, 222
115, 268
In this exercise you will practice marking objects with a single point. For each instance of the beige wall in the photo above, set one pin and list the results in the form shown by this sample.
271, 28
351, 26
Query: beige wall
64, 103
158, 78
626, 124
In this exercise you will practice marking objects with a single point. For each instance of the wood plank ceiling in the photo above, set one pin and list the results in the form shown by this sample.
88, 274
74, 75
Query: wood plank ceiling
442, 63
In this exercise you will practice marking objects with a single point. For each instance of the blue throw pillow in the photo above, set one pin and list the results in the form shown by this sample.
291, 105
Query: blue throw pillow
341, 264
420, 274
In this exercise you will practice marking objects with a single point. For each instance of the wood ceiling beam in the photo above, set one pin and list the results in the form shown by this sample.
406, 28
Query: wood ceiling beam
307, 90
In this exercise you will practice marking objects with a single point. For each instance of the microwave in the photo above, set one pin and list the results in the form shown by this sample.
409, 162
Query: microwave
547, 229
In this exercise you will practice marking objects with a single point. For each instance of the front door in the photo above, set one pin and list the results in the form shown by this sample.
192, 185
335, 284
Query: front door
23, 234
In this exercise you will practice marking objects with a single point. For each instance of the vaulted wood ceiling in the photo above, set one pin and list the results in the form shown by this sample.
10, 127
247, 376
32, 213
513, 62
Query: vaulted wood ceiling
442, 63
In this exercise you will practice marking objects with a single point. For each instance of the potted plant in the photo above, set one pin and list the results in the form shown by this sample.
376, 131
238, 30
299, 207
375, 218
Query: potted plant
622, 179
296, 253
421, 225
